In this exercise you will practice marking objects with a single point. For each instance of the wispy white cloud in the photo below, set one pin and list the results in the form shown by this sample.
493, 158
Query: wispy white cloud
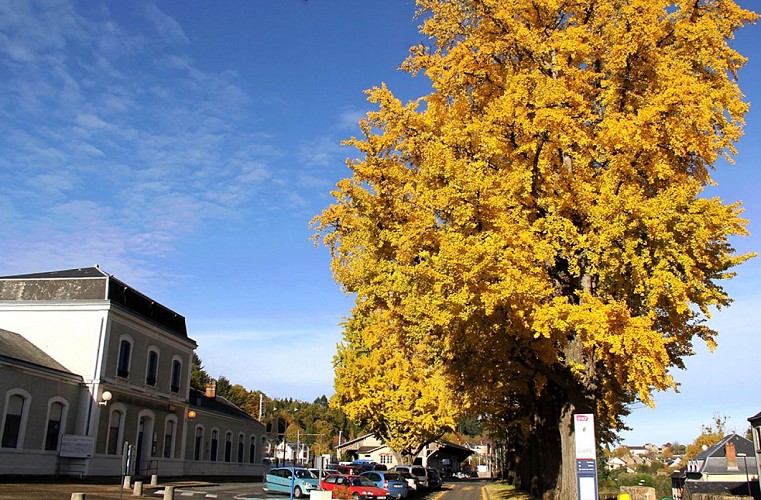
154, 145
290, 362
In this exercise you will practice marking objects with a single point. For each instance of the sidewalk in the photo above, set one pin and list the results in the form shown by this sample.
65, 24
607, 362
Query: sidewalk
62, 488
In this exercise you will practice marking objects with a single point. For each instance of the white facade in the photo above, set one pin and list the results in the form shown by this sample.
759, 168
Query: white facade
117, 342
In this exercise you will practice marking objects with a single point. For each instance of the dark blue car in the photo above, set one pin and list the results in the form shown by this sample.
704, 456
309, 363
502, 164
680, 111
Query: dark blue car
390, 481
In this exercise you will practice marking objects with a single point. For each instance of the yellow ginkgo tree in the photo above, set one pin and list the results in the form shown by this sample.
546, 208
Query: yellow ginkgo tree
530, 239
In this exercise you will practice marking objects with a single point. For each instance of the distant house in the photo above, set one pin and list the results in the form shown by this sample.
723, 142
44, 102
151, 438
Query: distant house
441, 455
616, 463
637, 451
726, 467
87, 364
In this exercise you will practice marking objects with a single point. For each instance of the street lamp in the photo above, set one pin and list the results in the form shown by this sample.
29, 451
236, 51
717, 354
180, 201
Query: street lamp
105, 397
745, 463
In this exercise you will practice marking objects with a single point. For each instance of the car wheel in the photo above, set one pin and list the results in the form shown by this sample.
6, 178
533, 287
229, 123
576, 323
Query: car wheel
297, 492
355, 496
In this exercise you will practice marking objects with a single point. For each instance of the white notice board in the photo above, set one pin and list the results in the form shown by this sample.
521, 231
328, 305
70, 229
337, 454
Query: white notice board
584, 430
77, 446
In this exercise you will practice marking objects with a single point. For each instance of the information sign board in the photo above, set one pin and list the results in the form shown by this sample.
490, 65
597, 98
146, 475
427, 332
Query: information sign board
73, 446
586, 456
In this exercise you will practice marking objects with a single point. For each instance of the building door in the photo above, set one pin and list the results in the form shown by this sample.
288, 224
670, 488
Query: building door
145, 445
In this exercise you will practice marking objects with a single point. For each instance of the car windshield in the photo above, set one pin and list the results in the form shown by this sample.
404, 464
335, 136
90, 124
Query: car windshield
362, 481
305, 474
394, 477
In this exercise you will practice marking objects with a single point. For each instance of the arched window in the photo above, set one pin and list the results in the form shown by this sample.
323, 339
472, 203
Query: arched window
170, 427
14, 422
115, 429
214, 445
176, 374
125, 356
228, 446
56, 419
152, 366
241, 447
198, 445
252, 449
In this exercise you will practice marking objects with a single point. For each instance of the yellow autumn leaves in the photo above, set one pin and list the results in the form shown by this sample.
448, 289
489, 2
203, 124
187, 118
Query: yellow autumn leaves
536, 220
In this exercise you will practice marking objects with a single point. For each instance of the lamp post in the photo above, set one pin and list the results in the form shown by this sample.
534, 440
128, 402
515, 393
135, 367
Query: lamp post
747, 478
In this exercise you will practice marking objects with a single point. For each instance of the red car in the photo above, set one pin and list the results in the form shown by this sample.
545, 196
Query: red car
360, 487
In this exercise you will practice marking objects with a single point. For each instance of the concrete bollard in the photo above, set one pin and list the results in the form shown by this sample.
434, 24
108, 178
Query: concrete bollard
77, 496
154, 480
127, 482
169, 493
138, 489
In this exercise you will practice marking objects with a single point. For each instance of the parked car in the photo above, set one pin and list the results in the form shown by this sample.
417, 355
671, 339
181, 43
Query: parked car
391, 481
434, 479
350, 470
420, 472
282, 479
366, 465
360, 487
320, 473
412, 484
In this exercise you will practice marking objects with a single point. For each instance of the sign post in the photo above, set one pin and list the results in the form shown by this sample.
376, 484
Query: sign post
586, 456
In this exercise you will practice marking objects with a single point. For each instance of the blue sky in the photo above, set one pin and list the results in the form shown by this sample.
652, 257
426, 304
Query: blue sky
184, 147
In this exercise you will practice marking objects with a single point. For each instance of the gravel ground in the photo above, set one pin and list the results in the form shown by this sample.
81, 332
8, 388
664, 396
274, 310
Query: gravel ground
60, 490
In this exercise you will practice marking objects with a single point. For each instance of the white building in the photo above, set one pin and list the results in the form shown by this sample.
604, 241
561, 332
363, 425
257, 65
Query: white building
104, 364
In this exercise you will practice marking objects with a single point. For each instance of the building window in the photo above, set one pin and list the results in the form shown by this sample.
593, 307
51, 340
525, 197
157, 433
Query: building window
214, 445
169, 439
228, 446
13, 424
125, 350
252, 450
53, 432
241, 445
152, 367
198, 444
176, 375
386, 458
115, 428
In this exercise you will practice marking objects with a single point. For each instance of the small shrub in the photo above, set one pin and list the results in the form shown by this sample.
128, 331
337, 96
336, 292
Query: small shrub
341, 491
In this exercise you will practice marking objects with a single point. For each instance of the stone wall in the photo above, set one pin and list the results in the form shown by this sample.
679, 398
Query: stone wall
639, 492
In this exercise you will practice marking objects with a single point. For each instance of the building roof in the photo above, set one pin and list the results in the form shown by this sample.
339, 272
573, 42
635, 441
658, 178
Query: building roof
89, 283
446, 448
219, 405
713, 460
356, 440
730, 488
754, 418
719, 450
17, 349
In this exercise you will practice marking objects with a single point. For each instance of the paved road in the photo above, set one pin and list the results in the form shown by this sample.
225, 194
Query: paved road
458, 490
455, 490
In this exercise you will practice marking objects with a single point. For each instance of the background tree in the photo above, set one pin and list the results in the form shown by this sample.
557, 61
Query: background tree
531, 237
199, 378
388, 387
710, 435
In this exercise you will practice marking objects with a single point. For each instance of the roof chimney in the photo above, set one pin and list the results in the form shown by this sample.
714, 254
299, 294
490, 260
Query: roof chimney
211, 390
729, 447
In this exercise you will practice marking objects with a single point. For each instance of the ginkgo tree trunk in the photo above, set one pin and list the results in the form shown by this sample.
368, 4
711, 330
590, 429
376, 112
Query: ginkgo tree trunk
531, 240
